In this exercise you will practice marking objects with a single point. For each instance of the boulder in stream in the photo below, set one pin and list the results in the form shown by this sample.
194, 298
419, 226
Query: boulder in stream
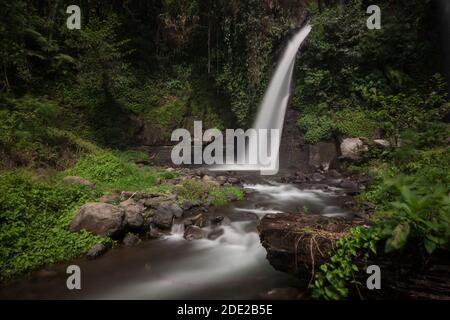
99, 218
165, 213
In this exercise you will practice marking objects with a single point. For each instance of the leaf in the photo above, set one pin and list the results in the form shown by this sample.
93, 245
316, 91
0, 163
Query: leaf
399, 237
430, 245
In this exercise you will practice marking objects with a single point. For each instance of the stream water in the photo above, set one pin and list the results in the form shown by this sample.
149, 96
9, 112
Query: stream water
233, 266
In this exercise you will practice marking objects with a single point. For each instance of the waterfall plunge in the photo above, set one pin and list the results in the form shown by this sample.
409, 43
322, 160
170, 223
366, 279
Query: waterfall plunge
272, 110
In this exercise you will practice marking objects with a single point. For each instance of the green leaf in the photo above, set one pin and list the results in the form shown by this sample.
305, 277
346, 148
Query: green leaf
399, 237
430, 245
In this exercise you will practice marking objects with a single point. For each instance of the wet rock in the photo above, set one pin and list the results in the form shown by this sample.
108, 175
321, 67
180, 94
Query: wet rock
282, 294
243, 216
99, 218
194, 233
217, 220
318, 177
96, 251
322, 155
350, 187
215, 233
351, 148
131, 240
165, 213
79, 180
334, 173
233, 180
155, 233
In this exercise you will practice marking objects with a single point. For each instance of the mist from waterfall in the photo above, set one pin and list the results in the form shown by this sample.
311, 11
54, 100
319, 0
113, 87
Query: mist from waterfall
272, 111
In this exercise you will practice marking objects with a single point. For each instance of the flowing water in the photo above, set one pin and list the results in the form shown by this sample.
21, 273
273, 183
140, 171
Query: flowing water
233, 266
271, 112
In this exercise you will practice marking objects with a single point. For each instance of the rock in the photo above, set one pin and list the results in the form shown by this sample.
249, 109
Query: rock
382, 143
165, 213
153, 202
217, 220
282, 294
133, 213
110, 198
281, 234
131, 240
233, 180
155, 233
351, 148
211, 180
186, 205
350, 187
221, 180
334, 173
194, 233
322, 155
318, 177
231, 196
99, 218
215, 233
79, 180
96, 251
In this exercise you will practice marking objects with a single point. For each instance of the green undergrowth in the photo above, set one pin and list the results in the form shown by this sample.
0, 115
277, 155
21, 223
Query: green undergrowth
412, 207
193, 190
34, 219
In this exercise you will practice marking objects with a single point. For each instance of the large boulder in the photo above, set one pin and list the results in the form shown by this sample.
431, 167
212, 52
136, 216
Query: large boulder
99, 218
165, 213
351, 148
298, 243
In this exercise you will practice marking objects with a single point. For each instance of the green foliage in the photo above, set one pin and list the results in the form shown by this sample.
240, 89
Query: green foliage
418, 212
34, 219
321, 124
194, 190
352, 82
100, 168
334, 277
28, 136
113, 170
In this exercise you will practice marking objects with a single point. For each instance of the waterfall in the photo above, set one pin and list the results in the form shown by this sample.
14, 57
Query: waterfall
272, 111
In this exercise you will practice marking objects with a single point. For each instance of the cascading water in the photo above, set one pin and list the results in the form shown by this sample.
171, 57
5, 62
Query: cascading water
229, 263
272, 110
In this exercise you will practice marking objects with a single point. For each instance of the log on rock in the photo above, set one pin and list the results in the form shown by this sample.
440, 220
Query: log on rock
300, 243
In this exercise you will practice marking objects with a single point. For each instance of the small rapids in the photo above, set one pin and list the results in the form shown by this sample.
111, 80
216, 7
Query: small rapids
231, 266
